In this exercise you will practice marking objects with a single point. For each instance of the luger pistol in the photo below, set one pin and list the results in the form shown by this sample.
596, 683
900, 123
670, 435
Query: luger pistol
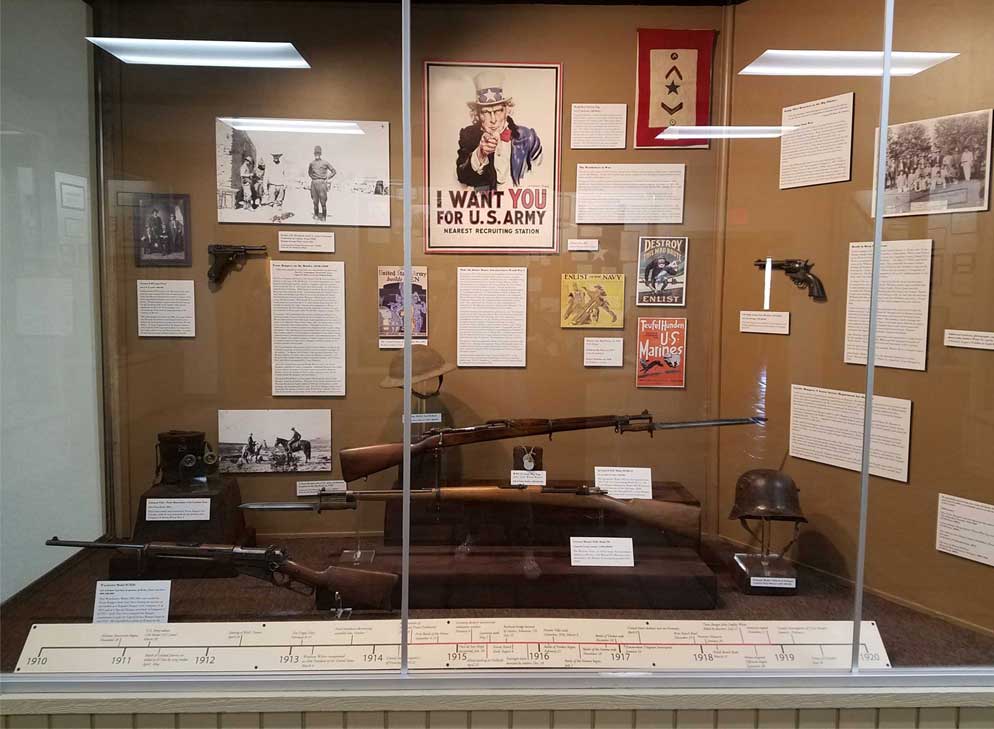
224, 257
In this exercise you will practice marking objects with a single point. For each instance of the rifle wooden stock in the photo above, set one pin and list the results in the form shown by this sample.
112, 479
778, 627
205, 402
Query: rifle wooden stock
367, 460
364, 589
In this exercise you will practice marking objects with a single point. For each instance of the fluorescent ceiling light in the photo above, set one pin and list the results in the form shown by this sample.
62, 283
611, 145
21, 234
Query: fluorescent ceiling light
724, 132
841, 63
233, 54
297, 126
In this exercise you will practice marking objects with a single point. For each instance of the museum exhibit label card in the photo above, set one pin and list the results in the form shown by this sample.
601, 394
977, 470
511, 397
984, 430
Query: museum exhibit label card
166, 308
521, 477
142, 601
601, 552
308, 324
592, 301
306, 241
390, 312
603, 352
629, 193
827, 426
583, 245
968, 339
818, 150
624, 482
661, 277
902, 315
191, 509
764, 322
598, 126
492, 316
965, 528
662, 352
315, 488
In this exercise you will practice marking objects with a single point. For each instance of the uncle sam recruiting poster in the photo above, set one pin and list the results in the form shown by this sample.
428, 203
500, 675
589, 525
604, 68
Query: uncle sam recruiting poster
492, 157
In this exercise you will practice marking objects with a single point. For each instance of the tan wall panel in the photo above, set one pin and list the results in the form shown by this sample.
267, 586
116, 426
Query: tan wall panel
655, 719
241, 721
740, 718
694, 719
614, 719
487, 719
818, 223
283, 720
531, 719
113, 721
857, 718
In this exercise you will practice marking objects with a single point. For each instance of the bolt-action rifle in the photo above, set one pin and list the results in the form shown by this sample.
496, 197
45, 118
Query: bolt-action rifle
363, 589
673, 518
366, 460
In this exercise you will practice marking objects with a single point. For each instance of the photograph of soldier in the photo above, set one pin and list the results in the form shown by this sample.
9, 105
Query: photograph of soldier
302, 171
162, 230
938, 165
260, 441
494, 151
321, 172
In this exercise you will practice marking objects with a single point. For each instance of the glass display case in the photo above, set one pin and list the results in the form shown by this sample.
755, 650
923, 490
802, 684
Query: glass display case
351, 340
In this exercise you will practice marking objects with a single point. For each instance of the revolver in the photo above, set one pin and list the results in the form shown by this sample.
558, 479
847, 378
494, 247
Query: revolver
224, 257
799, 272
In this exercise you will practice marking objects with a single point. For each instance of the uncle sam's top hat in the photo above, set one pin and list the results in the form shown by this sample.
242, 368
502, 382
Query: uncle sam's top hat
489, 90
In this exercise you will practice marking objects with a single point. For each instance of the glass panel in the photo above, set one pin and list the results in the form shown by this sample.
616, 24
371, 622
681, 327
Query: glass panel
931, 535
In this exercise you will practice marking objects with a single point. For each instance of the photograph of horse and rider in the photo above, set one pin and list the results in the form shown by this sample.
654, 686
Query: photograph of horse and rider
264, 441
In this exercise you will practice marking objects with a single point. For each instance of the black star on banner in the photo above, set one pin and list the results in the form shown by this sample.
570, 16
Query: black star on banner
672, 87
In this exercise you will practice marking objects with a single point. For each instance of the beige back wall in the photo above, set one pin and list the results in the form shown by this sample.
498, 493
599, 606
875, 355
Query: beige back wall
952, 400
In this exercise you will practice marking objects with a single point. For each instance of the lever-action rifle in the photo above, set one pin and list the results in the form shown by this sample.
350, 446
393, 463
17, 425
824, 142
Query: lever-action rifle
674, 518
366, 460
364, 589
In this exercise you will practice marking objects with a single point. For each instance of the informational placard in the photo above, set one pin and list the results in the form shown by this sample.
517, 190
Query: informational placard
142, 601
764, 322
308, 324
451, 643
419, 418
177, 509
965, 528
624, 482
968, 339
629, 193
902, 313
166, 308
598, 126
492, 317
315, 488
601, 552
527, 478
583, 244
827, 426
603, 352
306, 241
818, 149
789, 583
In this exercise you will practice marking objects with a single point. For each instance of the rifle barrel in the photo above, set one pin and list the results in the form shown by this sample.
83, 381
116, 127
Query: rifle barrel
56, 542
756, 420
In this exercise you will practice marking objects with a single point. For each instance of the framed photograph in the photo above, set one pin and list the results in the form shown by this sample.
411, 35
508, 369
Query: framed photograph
661, 278
492, 146
592, 301
303, 171
673, 85
662, 355
940, 165
162, 230
274, 441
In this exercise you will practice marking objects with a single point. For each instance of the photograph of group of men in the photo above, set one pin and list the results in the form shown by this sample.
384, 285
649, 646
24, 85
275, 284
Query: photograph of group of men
162, 230
263, 184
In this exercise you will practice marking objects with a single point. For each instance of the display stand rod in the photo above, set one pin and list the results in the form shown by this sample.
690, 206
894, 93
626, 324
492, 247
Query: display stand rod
871, 345
405, 558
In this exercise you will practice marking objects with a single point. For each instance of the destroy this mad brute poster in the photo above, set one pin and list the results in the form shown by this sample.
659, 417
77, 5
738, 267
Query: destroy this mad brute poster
662, 272
492, 157
592, 301
662, 352
673, 84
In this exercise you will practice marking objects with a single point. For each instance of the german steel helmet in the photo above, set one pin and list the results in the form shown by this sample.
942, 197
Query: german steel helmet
766, 493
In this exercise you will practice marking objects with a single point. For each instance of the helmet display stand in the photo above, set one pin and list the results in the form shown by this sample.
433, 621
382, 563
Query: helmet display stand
766, 496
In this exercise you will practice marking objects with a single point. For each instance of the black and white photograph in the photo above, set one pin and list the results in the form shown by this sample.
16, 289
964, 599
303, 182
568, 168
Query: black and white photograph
940, 165
162, 231
303, 171
274, 441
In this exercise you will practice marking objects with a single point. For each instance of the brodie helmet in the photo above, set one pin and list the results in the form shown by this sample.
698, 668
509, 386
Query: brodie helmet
764, 493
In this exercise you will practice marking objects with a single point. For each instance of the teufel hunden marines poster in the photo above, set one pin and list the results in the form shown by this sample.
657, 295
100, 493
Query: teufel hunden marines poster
492, 157
662, 352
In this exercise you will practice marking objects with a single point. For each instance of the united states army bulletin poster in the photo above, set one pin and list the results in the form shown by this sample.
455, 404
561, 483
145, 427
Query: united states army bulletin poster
492, 144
